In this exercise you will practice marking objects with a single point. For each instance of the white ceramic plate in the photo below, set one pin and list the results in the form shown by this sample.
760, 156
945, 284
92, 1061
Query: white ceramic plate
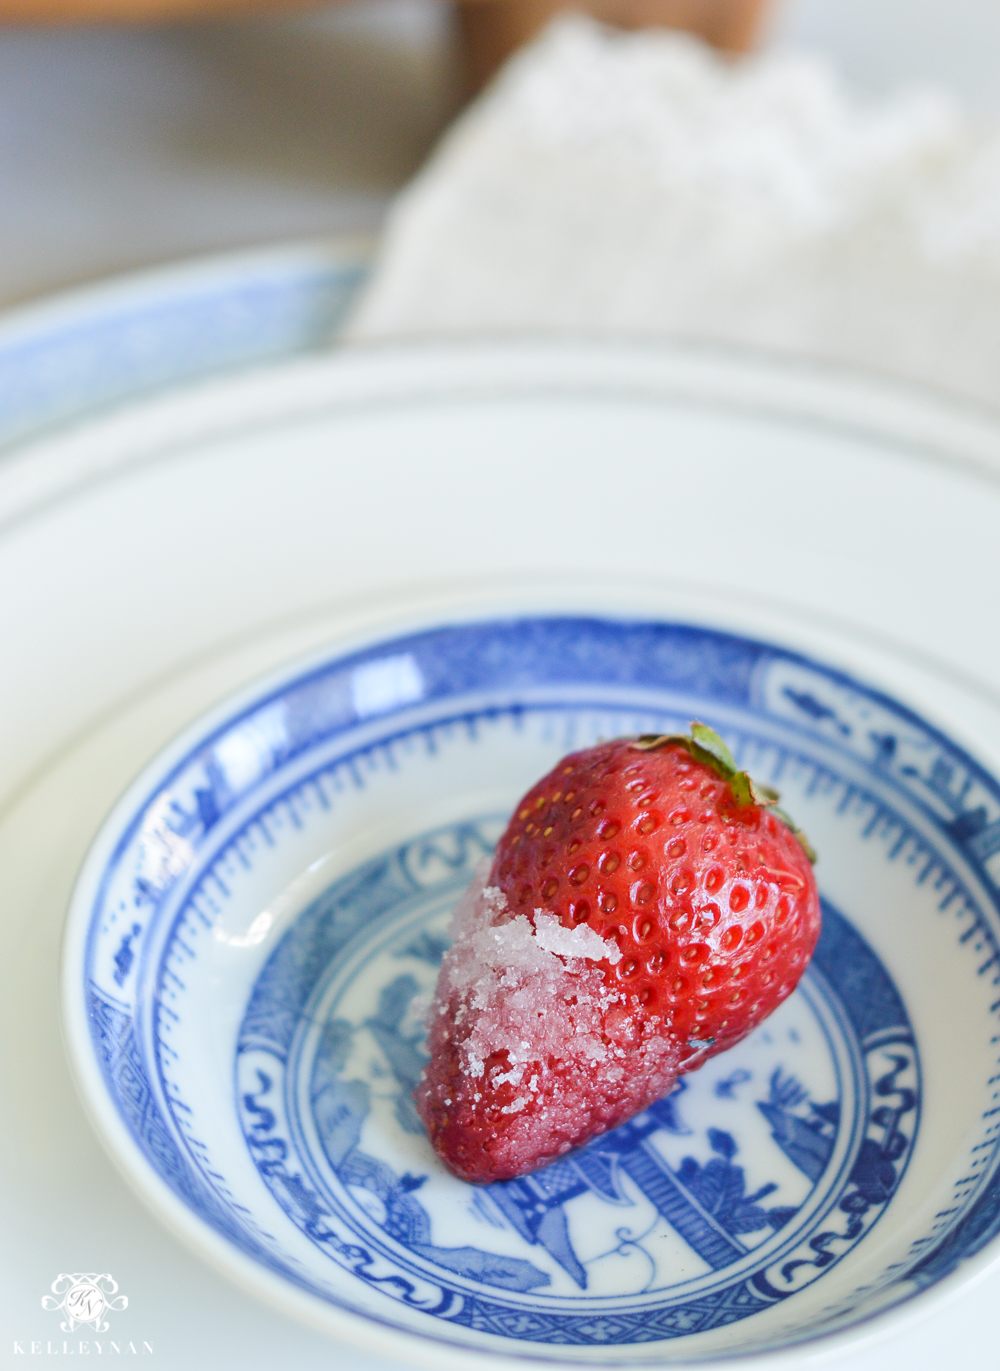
164, 555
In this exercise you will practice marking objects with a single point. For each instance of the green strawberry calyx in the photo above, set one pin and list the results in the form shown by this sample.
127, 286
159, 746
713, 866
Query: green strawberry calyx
705, 745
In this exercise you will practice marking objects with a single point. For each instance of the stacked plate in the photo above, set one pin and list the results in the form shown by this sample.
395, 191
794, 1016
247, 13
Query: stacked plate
282, 647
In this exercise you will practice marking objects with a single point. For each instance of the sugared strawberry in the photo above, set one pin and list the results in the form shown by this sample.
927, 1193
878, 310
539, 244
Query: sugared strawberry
647, 907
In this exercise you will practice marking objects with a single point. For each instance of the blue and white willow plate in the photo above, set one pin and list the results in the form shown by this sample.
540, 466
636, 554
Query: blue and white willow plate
261, 918
92, 349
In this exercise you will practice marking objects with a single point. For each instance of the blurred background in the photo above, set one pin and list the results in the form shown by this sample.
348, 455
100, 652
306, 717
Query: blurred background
125, 146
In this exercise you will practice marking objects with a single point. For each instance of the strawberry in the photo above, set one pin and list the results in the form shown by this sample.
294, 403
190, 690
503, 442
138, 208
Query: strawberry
647, 907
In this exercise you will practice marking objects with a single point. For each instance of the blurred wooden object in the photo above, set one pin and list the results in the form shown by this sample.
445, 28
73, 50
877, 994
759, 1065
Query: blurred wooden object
490, 30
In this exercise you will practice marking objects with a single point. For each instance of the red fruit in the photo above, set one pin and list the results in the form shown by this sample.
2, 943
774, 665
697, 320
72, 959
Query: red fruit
647, 908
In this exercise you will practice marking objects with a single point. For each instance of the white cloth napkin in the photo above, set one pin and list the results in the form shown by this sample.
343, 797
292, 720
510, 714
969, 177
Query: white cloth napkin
639, 184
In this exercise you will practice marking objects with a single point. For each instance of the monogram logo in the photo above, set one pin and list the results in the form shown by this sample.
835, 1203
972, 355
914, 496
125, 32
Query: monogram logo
84, 1298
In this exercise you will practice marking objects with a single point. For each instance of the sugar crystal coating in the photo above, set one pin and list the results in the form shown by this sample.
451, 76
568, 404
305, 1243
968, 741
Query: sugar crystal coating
524, 1009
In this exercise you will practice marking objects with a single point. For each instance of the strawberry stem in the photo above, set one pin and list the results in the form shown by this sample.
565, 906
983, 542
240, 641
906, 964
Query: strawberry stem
705, 746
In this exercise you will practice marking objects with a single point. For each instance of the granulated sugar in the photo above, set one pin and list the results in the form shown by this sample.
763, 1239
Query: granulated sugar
530, 994
531, 1042
579, 942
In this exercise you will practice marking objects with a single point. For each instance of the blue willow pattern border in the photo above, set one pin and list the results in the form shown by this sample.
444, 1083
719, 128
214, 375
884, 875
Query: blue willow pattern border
172, 326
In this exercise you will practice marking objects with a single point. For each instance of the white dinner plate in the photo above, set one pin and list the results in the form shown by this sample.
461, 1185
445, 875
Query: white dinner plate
162, 555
